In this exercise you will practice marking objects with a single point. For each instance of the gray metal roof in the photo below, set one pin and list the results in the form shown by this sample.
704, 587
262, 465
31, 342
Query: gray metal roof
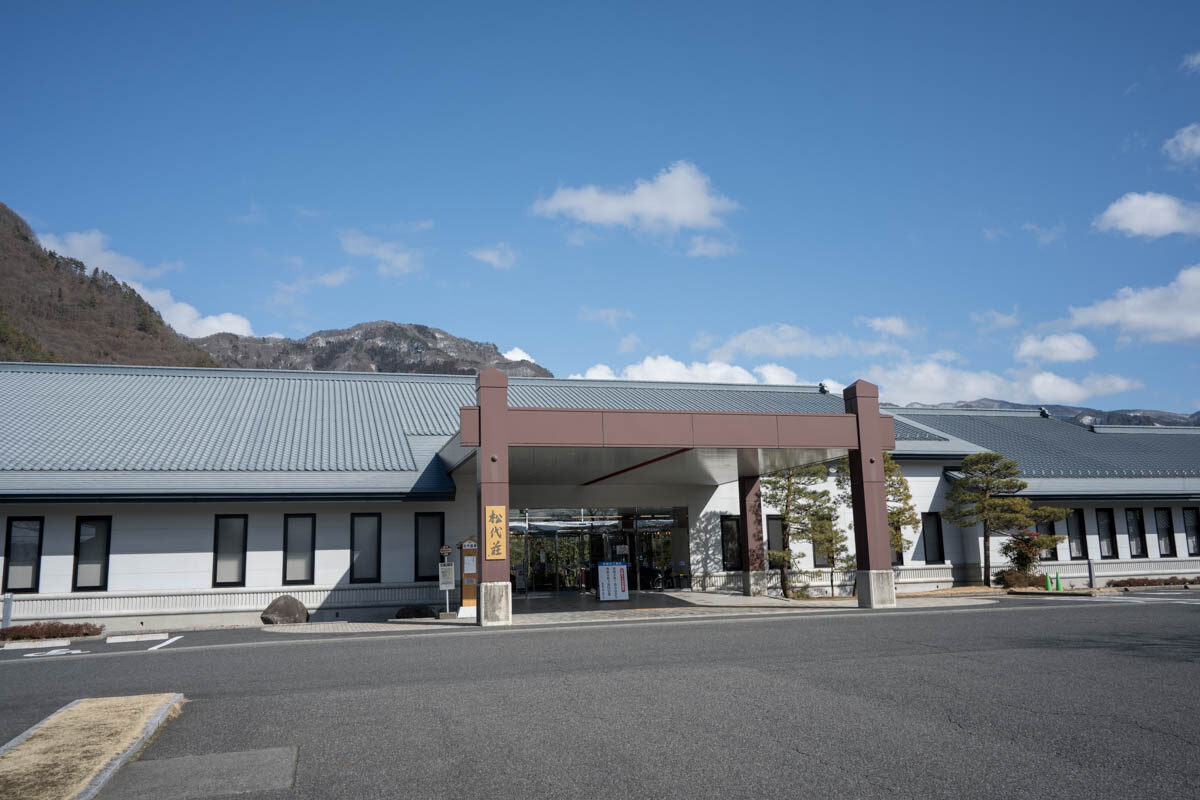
1051, 448
669, 396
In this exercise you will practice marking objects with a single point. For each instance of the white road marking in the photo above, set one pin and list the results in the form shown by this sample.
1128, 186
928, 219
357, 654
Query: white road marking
62, 651
137, 637
164, 644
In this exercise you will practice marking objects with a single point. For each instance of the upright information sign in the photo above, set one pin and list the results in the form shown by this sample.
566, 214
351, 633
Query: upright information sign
612, 580
470, 577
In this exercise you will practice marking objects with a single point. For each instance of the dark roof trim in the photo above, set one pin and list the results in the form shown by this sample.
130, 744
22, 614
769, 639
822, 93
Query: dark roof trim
308, 497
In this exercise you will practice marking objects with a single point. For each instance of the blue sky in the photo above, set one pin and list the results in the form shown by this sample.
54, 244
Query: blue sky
952, 202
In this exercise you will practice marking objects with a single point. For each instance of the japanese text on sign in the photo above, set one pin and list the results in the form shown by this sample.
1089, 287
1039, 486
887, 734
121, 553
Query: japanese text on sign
495, 533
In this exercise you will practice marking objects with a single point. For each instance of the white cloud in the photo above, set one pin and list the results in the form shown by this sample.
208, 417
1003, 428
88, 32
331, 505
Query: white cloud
288, 293
499, 255
1150, 214
275, 335
391, 257
1184, 146
679, 197
781, 341
704, 340
888, 326
187, 320
665, 368
949, 356
1168, 313
1191, 62
517, 354
1045, 236
994, 320
708, 247
91, 247
1055, 347
581, 236
610, 316
629, 342
776, 374
992, 234
253, 217
599, 372
931, 381
302, 211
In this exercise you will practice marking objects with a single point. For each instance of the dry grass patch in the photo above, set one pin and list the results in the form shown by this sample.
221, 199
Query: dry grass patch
72, 746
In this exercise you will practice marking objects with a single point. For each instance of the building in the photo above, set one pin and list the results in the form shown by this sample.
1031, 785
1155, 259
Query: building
131, 494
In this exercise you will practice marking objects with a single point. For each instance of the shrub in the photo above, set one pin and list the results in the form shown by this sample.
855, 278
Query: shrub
1171, 581
1015, 579
50, 630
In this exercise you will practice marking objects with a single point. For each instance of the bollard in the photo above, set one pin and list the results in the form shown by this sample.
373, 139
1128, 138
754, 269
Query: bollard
1091, 574
1047, 581
6, 619
1057, 582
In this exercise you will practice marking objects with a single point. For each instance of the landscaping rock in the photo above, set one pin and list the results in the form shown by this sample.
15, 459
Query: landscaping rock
284, 610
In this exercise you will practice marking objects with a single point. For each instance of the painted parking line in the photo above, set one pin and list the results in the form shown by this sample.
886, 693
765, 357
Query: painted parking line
167, 642
137, 637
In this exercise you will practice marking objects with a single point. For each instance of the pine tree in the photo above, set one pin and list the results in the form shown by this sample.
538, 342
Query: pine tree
805, 511
986, 495
901, 512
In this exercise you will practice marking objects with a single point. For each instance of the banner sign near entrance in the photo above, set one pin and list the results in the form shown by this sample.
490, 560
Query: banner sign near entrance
446, 576
612, 580
495, 542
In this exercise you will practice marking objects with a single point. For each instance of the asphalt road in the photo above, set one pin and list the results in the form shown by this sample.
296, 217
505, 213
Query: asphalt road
1062, 699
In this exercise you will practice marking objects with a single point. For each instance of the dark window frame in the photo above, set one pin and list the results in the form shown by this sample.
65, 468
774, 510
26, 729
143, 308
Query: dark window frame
441, 515
1196, 515
941, 542
1112, 529
378, 547
37, 565
741, 565
1171, 532
1050, 553
245, 518
312, 554
103, 585
1140, 515
1077, 515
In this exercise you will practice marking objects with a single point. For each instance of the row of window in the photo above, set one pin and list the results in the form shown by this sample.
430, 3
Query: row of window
1135, 525
733, 543
93, 545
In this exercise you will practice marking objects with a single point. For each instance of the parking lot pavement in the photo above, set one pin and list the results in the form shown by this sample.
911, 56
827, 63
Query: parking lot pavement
1020, 698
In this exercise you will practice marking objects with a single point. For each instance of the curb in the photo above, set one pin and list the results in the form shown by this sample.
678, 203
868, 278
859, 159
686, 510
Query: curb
1063, 593
23, 736
152, 725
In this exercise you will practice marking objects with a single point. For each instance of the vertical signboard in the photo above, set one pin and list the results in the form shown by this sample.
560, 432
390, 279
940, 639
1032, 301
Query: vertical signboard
612, 580
495, 541
470, 577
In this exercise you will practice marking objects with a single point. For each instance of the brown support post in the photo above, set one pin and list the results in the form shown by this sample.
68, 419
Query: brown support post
750, 508
872, 537
495, 590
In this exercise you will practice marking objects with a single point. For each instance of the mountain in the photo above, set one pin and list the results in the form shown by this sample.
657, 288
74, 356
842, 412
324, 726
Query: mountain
1080, 415
52, 308
367, 347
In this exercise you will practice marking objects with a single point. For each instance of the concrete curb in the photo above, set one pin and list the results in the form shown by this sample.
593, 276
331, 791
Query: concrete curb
152, 725
34, 644
1063, 593
22, 737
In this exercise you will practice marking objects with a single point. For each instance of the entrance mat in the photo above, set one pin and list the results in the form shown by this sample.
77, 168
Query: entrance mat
74, 751
212, 775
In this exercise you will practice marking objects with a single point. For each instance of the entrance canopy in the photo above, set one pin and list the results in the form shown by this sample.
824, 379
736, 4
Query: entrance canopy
586, 433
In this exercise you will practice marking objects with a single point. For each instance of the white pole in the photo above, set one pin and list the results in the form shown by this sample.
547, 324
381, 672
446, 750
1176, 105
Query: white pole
6, 619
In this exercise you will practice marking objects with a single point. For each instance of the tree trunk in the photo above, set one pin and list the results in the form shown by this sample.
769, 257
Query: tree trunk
785, 542
987, 557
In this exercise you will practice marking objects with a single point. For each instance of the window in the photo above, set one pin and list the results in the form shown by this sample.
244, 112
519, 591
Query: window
22, 554
365, 541
1077, 534
1107, 530
931, 532
1137, 532
431, 529
229, 550
93, 538
774, 532
1047, 529
299, 547
731, 544
1165, 527
1191, 529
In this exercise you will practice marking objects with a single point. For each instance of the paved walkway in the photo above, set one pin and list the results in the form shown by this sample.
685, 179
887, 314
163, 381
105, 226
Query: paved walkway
550, 609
